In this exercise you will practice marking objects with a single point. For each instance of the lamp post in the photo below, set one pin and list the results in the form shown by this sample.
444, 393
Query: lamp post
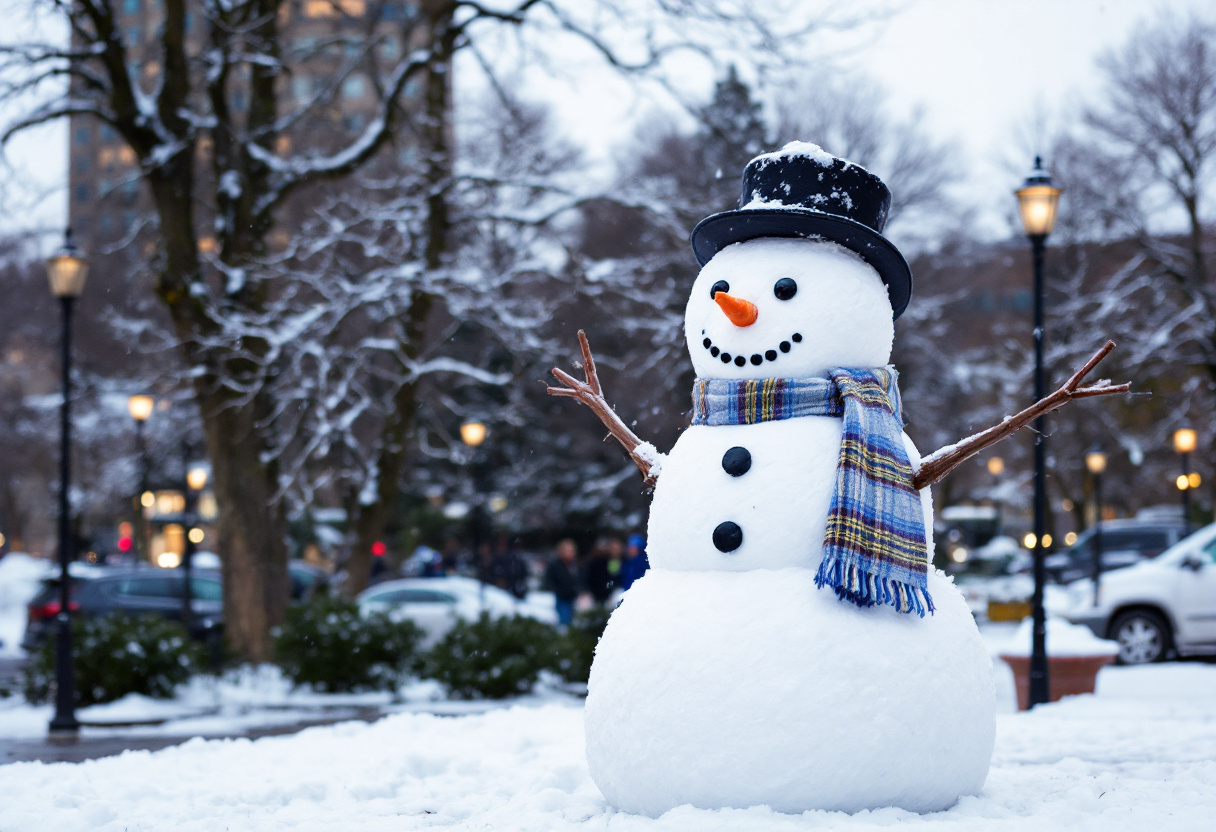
1185, 440
196, 481
473, 433
1037, 201
996, 467
140, 407
66, 272
1095, 462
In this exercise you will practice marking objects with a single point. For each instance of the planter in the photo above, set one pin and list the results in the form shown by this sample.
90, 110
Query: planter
1067, 675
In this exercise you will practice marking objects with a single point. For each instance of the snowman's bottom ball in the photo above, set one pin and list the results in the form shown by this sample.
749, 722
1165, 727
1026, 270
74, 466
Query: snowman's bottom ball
737, 689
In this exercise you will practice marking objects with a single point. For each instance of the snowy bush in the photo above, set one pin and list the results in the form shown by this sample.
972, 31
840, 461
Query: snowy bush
115, 655
493, 658
576, 646
327, 644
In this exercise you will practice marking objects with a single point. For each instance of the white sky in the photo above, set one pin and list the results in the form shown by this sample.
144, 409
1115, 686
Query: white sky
979, 68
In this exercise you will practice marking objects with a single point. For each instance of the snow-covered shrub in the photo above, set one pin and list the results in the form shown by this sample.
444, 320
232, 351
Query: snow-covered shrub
576, 646
326, 643
493, 658
117, 654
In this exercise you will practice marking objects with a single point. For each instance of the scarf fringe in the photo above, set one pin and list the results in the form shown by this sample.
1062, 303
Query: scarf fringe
853, 584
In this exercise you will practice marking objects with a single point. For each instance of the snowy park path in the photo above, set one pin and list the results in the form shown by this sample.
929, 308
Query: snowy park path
1139, 755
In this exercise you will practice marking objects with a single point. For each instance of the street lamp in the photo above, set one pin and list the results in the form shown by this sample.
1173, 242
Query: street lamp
1037, 201
1185, 440
140, 407
1095, 462
66, 272
473, 433
196, 481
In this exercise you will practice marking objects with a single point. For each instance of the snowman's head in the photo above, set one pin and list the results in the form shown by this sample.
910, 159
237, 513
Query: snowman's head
787, 308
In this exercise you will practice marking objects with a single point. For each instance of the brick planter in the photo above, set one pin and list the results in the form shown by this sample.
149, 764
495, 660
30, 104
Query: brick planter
1067, 675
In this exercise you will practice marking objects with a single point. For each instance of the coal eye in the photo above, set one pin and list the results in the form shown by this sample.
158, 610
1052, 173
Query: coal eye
785, 288
720, 286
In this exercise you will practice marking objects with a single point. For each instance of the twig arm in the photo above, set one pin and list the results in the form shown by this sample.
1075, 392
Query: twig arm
941, 462
588, 392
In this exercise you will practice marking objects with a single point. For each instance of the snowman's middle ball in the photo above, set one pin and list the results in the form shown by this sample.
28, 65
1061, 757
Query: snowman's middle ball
818, 305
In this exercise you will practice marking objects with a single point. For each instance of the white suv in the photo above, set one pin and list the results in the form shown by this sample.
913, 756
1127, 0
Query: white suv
1157, 606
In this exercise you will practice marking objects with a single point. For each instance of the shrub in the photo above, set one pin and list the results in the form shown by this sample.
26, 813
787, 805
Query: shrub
114, 655
576, 646
326, 643
492, 658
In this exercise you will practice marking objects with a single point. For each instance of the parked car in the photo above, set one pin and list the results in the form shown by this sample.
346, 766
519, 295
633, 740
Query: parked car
1157, 607
1124, 543
144, 589
436, 604
134, 591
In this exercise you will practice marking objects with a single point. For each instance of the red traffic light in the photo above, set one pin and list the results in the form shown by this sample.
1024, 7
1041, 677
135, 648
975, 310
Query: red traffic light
124, 544
379, 549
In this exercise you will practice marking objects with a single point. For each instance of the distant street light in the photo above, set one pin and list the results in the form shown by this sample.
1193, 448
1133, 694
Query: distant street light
140, 407
1038, 199
1185, 440
66, 272
473, 433
1095, 462
996, 466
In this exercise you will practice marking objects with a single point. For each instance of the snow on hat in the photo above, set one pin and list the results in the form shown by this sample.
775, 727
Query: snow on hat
804, 191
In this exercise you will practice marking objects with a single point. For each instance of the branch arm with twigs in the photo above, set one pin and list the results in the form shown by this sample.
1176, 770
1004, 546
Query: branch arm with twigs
941, 462
589, 393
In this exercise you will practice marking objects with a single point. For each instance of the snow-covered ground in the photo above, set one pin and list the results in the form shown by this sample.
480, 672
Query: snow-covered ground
1141, 754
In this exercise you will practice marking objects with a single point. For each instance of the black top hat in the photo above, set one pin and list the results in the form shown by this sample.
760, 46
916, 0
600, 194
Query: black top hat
803, 191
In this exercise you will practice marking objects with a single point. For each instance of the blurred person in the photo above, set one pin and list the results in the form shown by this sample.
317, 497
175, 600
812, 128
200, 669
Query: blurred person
561, 578
509, 569
602, 569
635, 563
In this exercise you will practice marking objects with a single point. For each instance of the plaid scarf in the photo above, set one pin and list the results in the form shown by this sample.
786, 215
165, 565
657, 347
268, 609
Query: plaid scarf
874, 545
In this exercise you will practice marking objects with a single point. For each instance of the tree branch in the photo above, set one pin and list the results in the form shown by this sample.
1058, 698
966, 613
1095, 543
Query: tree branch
941, 462
590, 394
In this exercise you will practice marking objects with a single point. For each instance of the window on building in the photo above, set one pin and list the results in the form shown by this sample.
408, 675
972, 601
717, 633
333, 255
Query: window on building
82, 135
390, 49
82, 164
107, 133
135, 35
82, 193
128, 221
130, 189
352, 87
352, 122
238, 101
106, 223
130, 6
301, 86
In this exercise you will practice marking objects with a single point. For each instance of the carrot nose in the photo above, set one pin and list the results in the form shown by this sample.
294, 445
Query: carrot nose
741, 312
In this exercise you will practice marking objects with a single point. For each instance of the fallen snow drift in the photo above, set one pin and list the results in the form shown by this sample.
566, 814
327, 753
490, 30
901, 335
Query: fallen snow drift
1141, 754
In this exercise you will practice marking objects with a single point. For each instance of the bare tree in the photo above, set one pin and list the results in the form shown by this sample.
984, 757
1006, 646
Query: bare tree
223, 102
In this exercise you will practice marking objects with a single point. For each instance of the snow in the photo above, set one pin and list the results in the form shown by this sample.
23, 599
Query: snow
1136, 755
806, 150
649, 454
1063, 639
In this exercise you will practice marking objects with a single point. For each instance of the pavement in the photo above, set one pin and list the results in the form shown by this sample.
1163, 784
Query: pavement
81, 748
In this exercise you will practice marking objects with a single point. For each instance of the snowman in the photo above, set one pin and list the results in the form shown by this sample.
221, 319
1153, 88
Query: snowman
792, 645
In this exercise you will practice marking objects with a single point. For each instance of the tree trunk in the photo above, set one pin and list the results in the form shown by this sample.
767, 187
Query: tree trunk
251, 528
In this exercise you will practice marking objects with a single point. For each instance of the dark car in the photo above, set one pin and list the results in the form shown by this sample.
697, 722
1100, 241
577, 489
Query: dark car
133, 591
1124, 542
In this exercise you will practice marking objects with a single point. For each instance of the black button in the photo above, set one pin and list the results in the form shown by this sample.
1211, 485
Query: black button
728, 536
771, 355
725, 358
757, 359
740, 361
785, 346
737, 461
